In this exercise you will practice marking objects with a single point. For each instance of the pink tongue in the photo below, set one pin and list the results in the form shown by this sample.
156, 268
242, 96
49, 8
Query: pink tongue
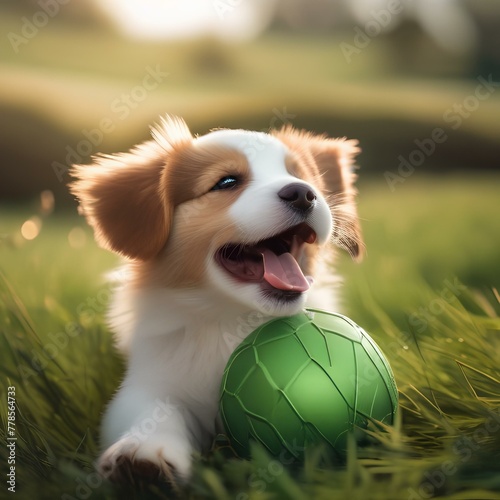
283, 272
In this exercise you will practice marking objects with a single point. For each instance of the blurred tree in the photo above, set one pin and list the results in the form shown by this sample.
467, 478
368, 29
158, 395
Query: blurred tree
442, 31
486, 14
313, 16
81, 12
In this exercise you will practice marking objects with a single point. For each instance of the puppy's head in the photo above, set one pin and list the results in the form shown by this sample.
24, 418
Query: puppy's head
240, 213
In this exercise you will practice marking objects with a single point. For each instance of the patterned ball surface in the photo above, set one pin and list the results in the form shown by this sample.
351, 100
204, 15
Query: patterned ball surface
307, 379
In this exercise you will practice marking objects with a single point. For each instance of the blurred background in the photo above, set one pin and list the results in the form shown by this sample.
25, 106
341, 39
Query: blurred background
415, 81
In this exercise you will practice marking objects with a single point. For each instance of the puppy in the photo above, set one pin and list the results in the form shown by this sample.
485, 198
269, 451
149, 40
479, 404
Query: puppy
220, 233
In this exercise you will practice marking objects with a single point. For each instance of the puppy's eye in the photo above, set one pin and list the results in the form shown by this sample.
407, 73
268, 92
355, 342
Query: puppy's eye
227, 182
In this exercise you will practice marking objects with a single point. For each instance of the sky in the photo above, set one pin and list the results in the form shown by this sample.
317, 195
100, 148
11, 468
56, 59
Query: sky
177, 19
446, 21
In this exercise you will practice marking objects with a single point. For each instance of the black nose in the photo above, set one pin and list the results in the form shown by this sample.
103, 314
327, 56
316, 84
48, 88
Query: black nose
298, 196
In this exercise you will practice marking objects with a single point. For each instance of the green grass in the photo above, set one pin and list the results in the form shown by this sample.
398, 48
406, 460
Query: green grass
424, 291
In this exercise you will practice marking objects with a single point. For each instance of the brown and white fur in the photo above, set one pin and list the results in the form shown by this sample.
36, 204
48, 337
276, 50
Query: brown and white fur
203, 223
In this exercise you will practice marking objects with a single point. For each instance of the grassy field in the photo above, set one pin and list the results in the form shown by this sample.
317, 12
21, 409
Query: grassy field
425, 291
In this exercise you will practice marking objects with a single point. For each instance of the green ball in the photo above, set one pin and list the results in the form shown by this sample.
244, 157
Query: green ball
304, 380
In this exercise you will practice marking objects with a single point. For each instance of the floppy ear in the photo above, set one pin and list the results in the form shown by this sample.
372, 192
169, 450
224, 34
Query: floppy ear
125, 197
334, 161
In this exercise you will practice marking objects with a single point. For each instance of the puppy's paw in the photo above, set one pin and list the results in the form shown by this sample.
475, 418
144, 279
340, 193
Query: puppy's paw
129, 461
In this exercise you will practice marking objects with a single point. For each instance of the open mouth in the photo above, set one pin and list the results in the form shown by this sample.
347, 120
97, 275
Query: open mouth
272, 262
